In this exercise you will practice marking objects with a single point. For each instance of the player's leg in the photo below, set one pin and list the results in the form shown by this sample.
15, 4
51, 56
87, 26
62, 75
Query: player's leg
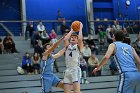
76, 87
127, 83
68, 88
46, 85
137, 90
76, 76
60, 84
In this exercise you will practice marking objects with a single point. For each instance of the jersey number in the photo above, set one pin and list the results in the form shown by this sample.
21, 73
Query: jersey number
70, 54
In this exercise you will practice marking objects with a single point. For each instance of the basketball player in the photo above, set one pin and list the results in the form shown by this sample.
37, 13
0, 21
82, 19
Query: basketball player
48, 78
124, 56
73, 71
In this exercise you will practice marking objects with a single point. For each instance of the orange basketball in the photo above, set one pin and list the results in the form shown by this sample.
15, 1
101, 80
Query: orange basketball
75, 26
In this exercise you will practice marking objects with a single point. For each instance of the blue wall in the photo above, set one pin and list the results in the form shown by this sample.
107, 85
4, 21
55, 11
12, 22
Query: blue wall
103, 9
47, 10
9, 9
70, 9
132, 10
110, 9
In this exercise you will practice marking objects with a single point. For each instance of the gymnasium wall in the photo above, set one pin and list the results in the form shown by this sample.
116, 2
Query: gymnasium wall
70, 9
9, 10
47, 10
111, 8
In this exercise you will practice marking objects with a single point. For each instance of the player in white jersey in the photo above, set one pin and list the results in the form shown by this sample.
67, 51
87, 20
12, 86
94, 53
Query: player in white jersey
73, 71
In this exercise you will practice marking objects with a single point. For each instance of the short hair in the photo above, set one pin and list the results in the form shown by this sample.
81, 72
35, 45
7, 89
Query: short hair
74, 35
44, 46
119, 36
127, 40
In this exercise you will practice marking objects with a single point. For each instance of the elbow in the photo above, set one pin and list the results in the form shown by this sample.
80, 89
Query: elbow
106, 56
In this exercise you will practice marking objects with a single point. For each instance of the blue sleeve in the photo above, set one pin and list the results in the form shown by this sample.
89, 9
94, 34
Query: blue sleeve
23, 61
29, 61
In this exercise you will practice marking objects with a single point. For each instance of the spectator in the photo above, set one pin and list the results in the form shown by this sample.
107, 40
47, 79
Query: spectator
36, 36
102, 36
27, 64
112, 66
53, 36
36, 63
86, 52
9, 45
39, 48
60, 19
40, 27
126, 34
64, 27
45, 37
91, 44
1, 46
116, 26
83, 66
110, 36
29, 30
136, 45
93, 63
108, 29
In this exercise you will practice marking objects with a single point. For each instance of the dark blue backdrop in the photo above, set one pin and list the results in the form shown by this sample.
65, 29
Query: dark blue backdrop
70, 9
9, 9
47, 10
110, 9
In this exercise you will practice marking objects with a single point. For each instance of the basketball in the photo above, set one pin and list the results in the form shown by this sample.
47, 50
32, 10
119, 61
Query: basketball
75, 26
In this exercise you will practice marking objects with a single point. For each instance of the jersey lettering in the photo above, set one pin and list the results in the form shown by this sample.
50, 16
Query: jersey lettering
125, 51
70, 54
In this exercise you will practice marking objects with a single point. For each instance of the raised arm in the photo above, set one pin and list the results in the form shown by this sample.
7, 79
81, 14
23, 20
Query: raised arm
80, 37
49, 51
66, 39
60, 53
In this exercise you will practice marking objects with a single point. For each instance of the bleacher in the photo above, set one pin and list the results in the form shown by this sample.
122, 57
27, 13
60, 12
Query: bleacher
12, 82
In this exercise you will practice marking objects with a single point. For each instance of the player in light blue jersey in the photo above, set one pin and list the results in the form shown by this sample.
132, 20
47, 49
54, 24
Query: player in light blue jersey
48, 78
125, 57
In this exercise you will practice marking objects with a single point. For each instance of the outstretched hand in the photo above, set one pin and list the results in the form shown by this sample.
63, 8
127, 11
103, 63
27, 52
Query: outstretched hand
81, 26
95, 71
67, 36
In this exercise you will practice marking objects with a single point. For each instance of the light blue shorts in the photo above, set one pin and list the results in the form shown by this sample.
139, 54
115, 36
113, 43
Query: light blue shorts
48, 81
129, 82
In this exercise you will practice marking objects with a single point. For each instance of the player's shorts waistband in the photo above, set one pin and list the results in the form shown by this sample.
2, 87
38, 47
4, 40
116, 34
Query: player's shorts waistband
70, 67
129, 71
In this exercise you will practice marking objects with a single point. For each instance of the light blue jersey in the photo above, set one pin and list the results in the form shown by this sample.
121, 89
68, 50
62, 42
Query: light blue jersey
129, 75
47, 65
124, 57
48, 78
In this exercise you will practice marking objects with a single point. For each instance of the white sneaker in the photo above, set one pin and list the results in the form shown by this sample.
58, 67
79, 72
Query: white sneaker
86, 82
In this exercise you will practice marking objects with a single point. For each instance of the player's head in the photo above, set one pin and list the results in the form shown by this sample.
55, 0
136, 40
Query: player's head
47, 46
127, 40
119, 36
74, 39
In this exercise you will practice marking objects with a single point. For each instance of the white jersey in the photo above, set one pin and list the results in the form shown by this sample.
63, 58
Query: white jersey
72, 56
